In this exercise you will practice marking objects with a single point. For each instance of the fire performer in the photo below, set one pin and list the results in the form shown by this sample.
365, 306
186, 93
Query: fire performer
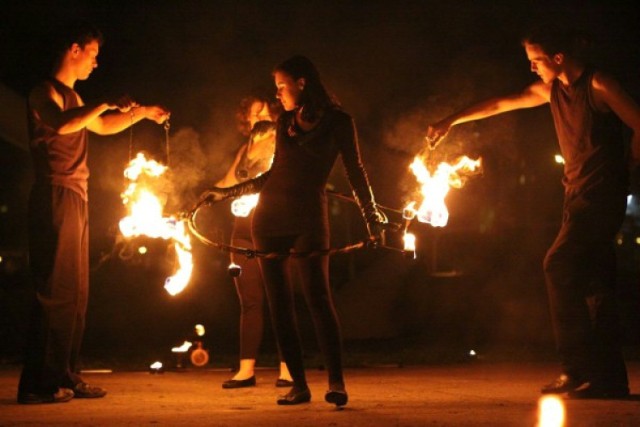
58, 213
256, 118
580, 267
291, 216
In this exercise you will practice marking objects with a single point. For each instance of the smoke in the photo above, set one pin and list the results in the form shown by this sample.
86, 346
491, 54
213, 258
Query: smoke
187, 167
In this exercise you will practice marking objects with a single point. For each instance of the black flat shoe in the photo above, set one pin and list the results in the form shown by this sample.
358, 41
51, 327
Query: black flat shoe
337, 397
295, 398
86, 391
281, 382
249, 382
602, 391
60, 396
563, 384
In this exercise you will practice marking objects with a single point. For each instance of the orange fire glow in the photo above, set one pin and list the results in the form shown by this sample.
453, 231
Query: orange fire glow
146, 217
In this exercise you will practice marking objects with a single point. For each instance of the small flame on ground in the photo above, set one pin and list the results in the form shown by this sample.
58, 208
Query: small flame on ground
146, 218
435, 187
183, 348
199, 330
156, 365
551, 412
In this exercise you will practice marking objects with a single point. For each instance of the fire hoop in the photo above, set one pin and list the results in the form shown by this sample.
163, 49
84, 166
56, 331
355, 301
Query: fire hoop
371, 242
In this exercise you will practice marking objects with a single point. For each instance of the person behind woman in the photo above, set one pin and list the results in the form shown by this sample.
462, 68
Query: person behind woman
291, 216
256, 120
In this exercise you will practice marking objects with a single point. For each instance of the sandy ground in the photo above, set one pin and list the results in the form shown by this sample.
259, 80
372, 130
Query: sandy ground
466, 394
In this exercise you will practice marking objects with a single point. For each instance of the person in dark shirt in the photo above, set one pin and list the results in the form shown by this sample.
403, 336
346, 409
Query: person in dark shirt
587, 106
291, 217
256, 116
58, 122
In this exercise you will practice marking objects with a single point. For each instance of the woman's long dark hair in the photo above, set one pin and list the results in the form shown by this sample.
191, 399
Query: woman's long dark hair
314, 97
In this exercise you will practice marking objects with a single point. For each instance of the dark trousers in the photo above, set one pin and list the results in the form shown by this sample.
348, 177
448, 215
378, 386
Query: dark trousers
59, 261
314, 279
580, 270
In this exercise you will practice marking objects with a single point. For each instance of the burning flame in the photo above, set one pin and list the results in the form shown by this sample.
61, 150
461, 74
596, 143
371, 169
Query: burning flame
146, 217
242, 205
435, 187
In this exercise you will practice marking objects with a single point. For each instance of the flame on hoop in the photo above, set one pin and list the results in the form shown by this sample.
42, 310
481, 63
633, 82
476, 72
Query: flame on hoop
146, 217
242, 206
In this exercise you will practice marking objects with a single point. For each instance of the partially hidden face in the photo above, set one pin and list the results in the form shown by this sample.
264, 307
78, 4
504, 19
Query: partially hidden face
258, 112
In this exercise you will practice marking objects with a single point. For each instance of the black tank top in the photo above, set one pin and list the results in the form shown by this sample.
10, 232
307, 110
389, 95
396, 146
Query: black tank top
591, 141
59, 159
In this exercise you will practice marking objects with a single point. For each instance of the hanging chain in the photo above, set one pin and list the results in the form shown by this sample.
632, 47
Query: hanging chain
167, 126
132, 114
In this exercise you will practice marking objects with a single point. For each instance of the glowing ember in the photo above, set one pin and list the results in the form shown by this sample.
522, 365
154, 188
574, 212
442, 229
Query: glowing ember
146, 217
183, 348
435, 187
242, 206
199, 330
551, 412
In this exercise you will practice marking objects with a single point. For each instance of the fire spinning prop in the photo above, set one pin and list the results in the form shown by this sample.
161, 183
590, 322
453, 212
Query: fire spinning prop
146, 217
433, 210
435, 186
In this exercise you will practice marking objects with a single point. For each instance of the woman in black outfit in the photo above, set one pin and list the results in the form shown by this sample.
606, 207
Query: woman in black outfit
291, 216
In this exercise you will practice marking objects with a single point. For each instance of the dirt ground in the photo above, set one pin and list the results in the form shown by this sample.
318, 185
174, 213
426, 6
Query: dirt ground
465, 394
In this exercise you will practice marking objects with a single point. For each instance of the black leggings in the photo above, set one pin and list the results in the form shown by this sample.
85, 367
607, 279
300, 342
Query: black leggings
251, 295
314, 275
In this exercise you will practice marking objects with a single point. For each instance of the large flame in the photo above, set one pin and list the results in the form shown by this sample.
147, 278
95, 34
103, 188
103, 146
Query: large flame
147, 219
435, 187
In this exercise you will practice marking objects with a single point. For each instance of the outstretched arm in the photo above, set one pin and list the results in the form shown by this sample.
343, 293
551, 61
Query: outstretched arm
230, 177
532, 96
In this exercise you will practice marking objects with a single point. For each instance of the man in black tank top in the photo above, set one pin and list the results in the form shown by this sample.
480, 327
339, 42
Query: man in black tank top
58, 214
588, 107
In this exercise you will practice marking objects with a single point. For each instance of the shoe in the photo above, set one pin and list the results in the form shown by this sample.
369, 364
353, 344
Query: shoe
62, 395
595, 391
249, 382
337, 397
563, 384
86, 391
295, 397
281, 382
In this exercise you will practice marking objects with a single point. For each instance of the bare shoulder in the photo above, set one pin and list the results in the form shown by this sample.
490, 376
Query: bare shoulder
540, 89
607, 91
602, 81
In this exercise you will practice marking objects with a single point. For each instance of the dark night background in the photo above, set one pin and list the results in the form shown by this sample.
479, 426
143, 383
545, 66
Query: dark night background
396, 66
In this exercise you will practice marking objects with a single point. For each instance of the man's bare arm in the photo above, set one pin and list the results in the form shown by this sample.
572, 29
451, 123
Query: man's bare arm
532, 96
